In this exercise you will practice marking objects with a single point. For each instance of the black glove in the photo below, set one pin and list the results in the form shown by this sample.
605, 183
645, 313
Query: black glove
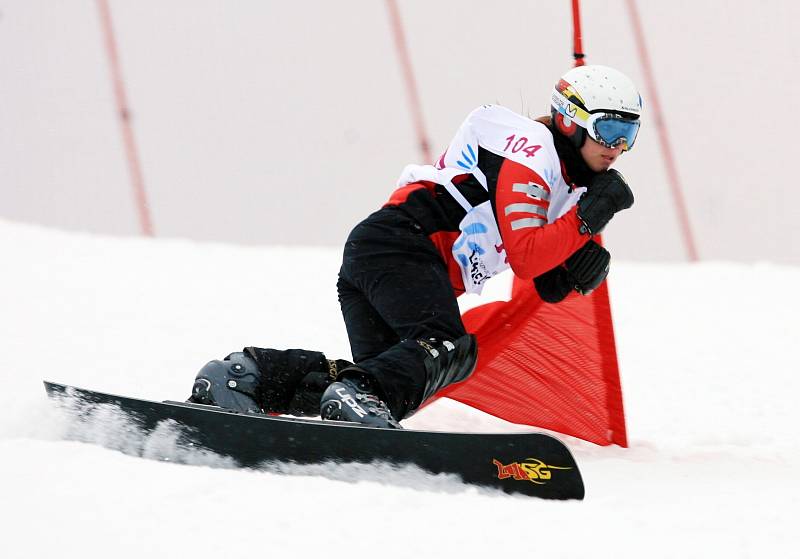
588, 267
554, 285
606, 194
583, 271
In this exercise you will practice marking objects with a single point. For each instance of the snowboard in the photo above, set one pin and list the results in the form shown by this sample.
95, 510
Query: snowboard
532, 464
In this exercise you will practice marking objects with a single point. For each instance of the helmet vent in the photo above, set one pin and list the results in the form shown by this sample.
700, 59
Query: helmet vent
600, 89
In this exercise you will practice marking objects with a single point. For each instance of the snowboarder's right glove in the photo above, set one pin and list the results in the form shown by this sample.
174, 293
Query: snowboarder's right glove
588, 267
553, 286
583, 272
606, 194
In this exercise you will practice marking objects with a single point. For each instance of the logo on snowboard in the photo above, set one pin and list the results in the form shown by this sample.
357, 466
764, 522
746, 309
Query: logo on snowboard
531, 469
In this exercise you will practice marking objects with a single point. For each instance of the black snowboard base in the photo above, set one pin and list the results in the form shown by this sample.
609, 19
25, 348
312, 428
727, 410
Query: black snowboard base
533, 464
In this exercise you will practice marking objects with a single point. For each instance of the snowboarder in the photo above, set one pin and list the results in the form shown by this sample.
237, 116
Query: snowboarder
509, 191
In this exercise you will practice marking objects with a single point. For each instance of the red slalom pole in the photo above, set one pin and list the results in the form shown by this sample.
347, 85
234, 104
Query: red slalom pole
601, 302
411, 83
663, 137
577, 37
132, 155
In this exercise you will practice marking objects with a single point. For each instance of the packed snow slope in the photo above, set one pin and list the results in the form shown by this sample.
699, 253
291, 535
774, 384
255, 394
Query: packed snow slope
709, 373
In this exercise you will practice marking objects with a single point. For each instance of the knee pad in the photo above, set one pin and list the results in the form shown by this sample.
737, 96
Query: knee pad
233, 383
293, 380
308, 396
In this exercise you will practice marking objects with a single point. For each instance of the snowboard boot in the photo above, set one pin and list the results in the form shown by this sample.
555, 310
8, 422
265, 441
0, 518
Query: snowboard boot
355, 397
447, 362
231, 384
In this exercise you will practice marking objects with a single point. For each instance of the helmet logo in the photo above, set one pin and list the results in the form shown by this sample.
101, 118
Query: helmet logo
572, 110
566, 89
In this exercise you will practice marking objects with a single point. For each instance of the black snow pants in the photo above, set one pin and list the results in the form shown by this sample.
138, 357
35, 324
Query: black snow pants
398, 306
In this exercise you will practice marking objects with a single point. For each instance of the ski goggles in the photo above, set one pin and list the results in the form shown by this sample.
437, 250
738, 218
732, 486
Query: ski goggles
608, 129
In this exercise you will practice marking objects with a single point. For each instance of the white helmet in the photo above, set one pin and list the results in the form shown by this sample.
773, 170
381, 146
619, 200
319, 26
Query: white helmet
597, 100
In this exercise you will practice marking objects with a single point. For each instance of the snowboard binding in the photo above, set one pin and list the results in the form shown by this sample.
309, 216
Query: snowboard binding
354, 397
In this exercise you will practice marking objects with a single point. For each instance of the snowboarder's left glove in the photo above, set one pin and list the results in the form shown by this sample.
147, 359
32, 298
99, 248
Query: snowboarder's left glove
606, 194
587, 267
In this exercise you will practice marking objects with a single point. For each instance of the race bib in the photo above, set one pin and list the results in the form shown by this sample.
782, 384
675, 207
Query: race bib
479, 249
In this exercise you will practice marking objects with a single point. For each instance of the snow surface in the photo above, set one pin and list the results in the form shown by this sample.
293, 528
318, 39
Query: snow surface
709, 373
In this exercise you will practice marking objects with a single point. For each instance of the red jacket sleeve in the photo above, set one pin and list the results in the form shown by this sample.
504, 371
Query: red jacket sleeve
533, 246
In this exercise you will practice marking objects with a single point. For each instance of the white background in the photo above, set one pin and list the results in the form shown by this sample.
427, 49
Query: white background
265, 122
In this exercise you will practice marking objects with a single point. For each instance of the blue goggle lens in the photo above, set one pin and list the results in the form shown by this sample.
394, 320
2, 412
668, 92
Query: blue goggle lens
612, 130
